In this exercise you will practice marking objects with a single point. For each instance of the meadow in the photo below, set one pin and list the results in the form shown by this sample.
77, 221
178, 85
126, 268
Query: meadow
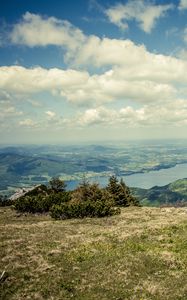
139, 254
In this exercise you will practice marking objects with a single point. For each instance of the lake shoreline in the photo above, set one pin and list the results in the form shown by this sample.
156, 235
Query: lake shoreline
144, 180
139, 179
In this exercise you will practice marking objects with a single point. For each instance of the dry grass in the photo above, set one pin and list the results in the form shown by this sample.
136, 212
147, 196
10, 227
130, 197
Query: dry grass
140, 254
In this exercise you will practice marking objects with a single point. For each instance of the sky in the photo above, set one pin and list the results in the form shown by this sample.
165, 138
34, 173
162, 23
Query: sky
92, 70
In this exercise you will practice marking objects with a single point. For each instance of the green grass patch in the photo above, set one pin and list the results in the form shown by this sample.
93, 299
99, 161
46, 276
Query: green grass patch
140, 254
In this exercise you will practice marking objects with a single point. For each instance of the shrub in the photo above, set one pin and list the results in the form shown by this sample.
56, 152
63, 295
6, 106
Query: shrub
5, 201
28, 204
41, 203
98, 208
90, 192
88, 200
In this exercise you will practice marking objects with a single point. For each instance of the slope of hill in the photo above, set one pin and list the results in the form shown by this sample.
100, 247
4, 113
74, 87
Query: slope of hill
17, 169
159, 195
140, 254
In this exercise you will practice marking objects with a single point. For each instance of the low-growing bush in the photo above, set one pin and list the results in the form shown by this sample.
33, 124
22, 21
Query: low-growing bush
5, 201
87, 200
40, 203
98, 208
28, 204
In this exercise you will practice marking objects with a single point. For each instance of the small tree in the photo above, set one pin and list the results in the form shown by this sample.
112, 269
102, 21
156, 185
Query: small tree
120, 192
57, 185
131, 200
113, 185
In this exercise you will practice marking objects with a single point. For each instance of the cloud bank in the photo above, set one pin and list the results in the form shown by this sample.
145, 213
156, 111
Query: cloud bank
148, 88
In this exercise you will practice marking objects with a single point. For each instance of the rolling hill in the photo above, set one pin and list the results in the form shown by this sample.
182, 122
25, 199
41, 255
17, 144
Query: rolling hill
172, 193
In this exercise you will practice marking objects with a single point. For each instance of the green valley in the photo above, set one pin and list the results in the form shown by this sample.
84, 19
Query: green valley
22, 166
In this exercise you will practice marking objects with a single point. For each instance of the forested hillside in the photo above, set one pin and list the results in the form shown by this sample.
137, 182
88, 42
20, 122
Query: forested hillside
174, 193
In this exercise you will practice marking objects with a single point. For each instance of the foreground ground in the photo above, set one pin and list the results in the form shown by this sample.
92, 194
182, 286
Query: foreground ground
140, 254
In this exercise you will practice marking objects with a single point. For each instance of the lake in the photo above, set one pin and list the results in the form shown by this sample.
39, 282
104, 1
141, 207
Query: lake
144, 180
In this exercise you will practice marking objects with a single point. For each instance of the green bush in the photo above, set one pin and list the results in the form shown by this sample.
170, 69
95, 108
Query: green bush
5, 201
98, 208
87, 200
28, 204
41, 203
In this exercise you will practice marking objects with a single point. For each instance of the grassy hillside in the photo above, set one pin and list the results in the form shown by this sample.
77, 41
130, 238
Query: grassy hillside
140, 254
168, 194
17, 169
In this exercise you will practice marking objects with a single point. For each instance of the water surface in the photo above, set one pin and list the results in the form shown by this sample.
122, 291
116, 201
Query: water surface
144, 180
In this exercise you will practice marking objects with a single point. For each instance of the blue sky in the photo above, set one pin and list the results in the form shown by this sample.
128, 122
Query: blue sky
91, 71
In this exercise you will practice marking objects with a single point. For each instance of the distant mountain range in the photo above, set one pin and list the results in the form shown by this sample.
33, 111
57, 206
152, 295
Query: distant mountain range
173, 193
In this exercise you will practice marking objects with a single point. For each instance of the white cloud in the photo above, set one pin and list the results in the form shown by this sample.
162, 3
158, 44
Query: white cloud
174, 113
27, 123
52, 122
183, 5
134, 61
111, 87
150, 81
85, 50
132, 67
50, 114
8, 111
142, 11
147, 79
96, 116
22, 80
34, 30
